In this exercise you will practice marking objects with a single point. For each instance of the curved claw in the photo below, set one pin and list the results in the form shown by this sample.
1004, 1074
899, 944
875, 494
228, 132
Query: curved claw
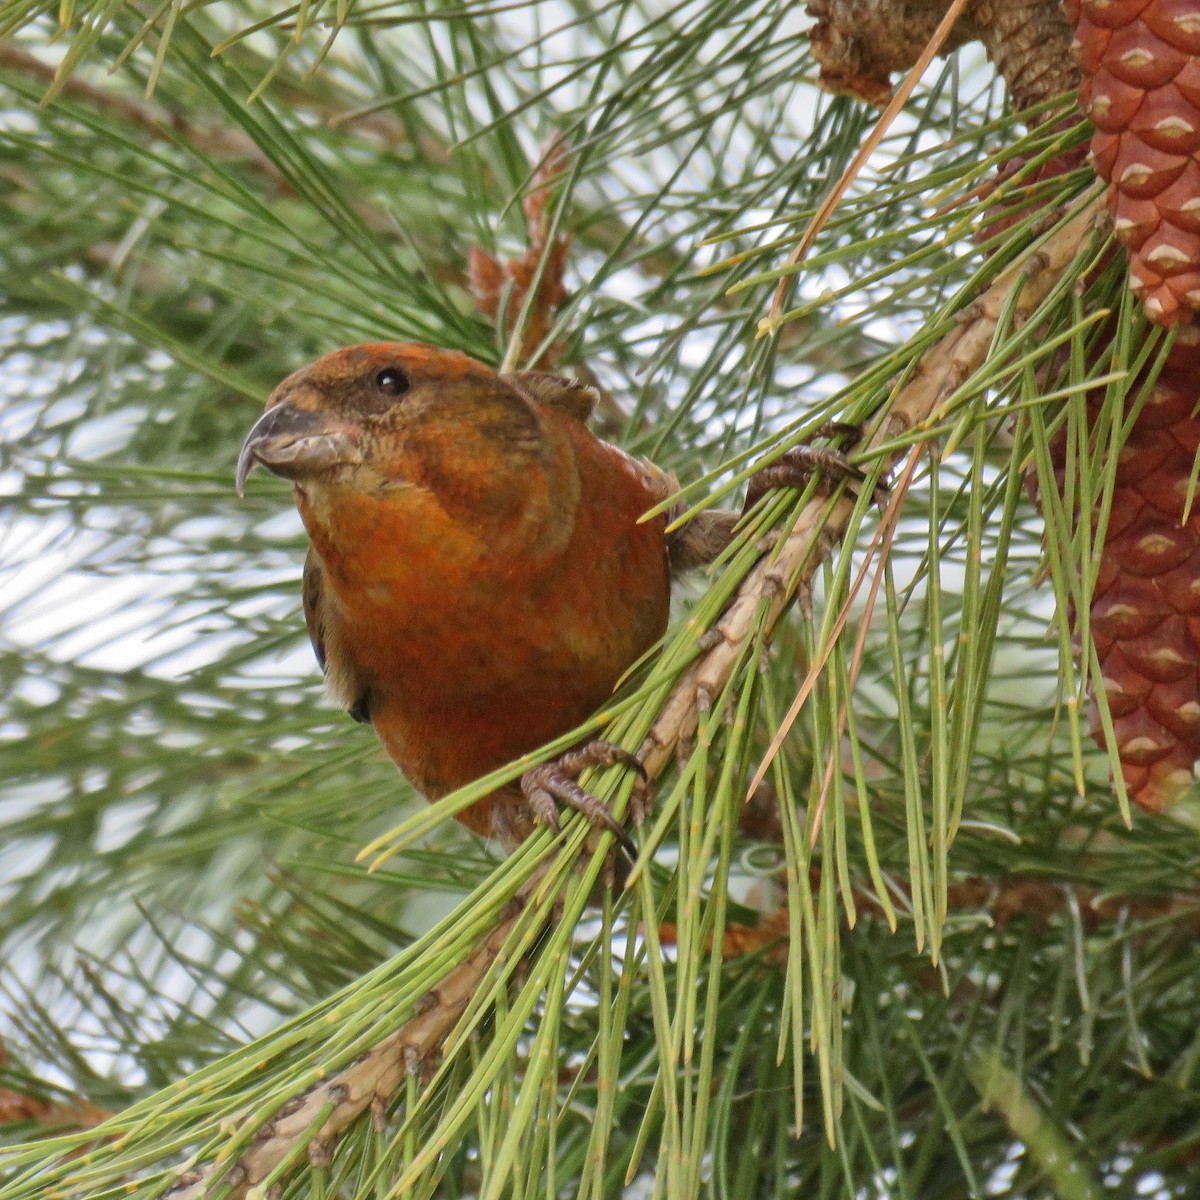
556, 781
795, 467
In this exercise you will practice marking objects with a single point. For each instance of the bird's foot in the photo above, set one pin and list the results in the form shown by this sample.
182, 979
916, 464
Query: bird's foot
550, 784
795, 467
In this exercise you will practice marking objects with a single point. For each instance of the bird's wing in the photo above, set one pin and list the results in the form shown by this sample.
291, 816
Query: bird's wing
313, 594
569, 396
343, 681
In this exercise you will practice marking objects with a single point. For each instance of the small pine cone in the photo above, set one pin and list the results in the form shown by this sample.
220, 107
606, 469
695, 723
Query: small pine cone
1145, 615
1141, 70
544, 262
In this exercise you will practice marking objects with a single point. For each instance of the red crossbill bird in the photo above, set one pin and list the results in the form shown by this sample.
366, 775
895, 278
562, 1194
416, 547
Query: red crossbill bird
479, 577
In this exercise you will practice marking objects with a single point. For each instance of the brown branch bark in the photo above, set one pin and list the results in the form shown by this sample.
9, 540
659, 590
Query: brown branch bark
54, 1116
152, 119
604, 231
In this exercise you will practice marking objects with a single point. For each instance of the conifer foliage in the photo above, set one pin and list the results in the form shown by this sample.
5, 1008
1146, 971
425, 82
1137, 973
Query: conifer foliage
893, 928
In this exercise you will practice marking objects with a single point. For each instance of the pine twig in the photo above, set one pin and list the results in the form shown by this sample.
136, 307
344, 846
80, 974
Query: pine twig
860, 44
153, 120
371, 1080
780, 576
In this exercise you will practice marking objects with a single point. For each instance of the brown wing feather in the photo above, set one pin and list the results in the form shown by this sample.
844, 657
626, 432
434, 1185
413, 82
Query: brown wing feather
346, 688
312, 591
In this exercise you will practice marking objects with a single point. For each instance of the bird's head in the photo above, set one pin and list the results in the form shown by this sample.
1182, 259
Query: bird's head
392, 414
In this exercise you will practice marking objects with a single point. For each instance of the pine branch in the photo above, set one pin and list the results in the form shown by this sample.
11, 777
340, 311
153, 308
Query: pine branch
789, 568
314, 1120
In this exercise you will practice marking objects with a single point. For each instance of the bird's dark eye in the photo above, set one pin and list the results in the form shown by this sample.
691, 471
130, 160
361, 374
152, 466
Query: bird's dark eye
392, 381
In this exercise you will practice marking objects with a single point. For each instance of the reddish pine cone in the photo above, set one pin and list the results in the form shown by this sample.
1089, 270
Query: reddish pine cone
1145, 616
1141, 69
